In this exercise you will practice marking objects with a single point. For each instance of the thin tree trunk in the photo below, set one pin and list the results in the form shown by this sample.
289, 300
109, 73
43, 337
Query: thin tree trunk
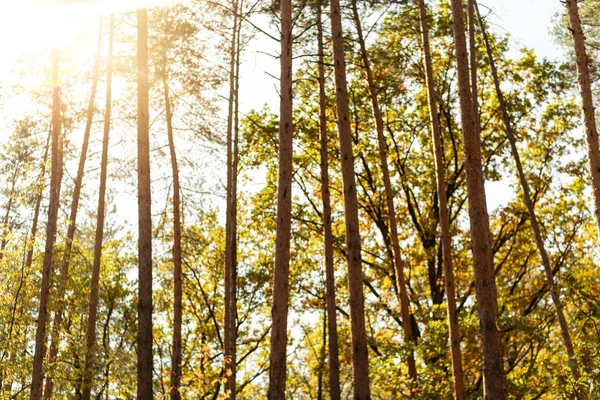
585, 89
66, 259
473, 64
37, 376
485, 284
228, 326
90, 355
7, 387
277, 372
564, 327
322, 357
360, 355
177, 260
144, 331
334, 361
457, 369
398, 262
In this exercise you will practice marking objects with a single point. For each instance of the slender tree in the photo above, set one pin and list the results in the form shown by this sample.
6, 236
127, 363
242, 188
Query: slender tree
277, 372
37, 377
398, 262
144, 329
485, 284
438, 153
177, 258
585, 89
88, 366
230, 242
360, 355
529, 203
334, 361
66, 259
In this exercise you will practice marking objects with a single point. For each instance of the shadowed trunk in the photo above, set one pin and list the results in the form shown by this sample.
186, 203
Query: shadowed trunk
144, 330
485, 284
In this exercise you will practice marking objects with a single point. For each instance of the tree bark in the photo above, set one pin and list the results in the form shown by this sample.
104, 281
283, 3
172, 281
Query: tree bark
230, 238
438, 152
144, 331
334, 361
360, 356
485, 284
277, 372
585, 89
529, 203
398, 262
88, 366
37, 376
177, 257
65, 263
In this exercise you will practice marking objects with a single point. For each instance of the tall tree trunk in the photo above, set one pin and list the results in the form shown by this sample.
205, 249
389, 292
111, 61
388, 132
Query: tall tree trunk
585, 89
66, 259
485, 284
29, 245
230, 239
90, 355
473, 64
144, 331
529, 203
177, 260
398, 262
334, 361
438, 152
277, 372
360, 355
37, 376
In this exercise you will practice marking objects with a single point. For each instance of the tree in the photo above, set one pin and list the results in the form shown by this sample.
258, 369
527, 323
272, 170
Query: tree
277, 373
389, 198
360, 356
37, 376
88, 366
485, 285
529, 203
585, 90
438, 152
331, 308
144, 331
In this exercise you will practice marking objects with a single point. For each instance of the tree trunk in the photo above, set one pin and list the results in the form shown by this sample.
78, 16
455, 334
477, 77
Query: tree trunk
529, 202
88, 366
585, 89
230, 241
144, 331
5, 228
389, 197
65, 263
177, 258
277, 372
473, 64
334, 362
438, 152
485, 284
360, 356
37, 376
